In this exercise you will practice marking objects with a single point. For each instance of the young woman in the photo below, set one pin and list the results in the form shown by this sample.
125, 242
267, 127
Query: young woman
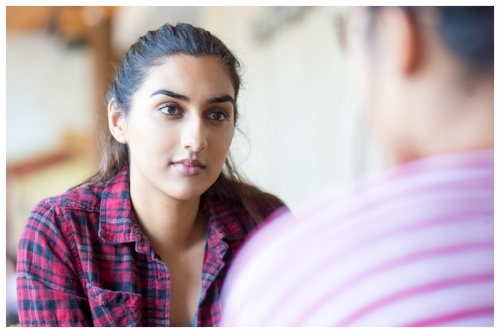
148, 239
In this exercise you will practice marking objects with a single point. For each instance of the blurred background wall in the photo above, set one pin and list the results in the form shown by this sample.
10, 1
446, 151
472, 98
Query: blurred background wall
301, 126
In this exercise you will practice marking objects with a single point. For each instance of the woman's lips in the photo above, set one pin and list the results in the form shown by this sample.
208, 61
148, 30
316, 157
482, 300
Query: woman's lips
188, 167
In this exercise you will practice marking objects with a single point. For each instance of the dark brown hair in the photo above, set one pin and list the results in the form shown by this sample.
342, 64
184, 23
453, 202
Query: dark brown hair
149, 51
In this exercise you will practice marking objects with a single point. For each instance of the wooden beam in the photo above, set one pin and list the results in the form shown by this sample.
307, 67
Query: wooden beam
27, 18
39, 162
99, 40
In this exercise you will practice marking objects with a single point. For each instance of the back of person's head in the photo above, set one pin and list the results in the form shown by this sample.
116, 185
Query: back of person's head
467, 32
426, 77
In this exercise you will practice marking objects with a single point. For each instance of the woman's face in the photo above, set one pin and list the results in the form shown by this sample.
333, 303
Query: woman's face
180, 126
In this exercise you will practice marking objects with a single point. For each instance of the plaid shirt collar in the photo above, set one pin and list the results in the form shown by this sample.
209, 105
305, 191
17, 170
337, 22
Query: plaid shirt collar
123, 228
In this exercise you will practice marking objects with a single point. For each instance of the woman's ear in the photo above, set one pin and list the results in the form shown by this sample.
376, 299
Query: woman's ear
403, 39
117, 122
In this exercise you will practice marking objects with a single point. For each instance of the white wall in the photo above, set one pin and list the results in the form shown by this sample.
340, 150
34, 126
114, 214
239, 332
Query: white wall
131, 22
303, 124
49, 91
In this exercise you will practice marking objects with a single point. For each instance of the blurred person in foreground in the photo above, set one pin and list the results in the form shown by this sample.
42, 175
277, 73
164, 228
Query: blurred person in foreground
412, 246
147, 240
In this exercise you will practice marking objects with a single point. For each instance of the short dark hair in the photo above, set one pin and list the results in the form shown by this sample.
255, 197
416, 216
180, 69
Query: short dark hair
469, 34
467, 31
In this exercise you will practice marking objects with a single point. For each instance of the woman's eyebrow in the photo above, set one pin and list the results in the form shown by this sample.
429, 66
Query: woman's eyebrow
171, 94
221, 99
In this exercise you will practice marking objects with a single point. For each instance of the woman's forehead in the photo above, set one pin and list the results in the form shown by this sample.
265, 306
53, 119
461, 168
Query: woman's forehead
189, 75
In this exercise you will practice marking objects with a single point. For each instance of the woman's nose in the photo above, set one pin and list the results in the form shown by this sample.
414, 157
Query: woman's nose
193, 134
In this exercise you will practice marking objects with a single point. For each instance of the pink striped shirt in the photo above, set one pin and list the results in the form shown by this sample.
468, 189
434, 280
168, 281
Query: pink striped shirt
411, 247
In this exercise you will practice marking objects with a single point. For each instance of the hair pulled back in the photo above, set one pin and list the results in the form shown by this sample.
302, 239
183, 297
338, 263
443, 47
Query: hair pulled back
146, 53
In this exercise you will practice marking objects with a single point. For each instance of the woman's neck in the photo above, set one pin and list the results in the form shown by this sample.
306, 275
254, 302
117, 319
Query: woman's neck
169, 223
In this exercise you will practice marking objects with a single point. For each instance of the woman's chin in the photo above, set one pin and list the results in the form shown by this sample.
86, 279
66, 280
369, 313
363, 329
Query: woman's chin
186, 193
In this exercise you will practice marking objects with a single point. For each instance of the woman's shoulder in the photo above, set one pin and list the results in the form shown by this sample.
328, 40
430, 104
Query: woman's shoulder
55, 219
267, 204
244, 213
87, 197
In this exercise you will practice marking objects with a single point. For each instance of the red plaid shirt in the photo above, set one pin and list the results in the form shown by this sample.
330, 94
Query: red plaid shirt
83, 260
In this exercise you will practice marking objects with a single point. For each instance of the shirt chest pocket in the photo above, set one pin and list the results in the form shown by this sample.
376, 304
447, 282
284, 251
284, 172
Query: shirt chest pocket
114, 308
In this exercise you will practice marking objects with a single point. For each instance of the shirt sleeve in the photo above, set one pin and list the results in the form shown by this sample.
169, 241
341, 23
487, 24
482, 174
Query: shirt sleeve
48, 288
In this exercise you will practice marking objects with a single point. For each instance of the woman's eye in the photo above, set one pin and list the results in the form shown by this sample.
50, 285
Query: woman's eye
218, 116
170, 109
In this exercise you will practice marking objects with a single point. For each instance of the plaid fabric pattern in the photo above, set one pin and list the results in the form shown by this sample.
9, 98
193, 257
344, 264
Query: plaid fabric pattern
83, 260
